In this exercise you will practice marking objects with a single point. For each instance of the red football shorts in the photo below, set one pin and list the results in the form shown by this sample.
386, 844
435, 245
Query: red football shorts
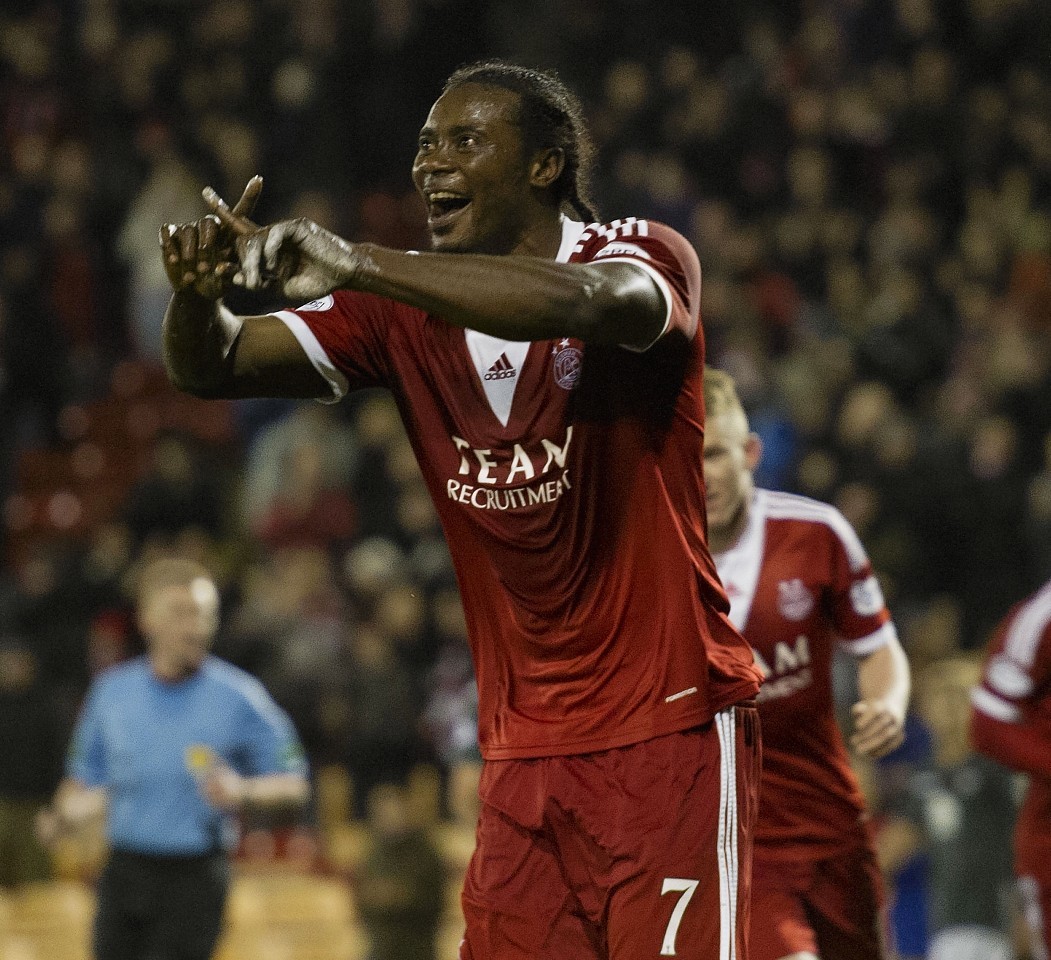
832, 908
640, 851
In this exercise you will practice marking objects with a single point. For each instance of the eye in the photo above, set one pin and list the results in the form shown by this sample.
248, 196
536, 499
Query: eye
467, 141
423, 144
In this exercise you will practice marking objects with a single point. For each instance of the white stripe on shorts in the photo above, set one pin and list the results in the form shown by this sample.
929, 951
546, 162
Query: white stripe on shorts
726, 724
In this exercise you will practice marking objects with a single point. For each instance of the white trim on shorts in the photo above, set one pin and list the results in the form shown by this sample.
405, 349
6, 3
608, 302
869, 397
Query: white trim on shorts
726, 725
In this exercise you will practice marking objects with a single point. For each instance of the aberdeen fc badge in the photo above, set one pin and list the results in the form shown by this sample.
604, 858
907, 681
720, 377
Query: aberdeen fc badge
567, 364
794, 600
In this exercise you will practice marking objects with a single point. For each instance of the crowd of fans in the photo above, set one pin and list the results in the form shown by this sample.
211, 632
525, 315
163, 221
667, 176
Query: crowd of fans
867, 184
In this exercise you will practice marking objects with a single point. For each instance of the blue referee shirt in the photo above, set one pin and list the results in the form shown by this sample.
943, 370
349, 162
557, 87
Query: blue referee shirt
137, 737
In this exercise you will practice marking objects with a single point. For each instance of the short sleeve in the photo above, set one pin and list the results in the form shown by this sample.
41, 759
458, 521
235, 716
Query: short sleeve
856, 605
1018, 668
662, 253
344, 337
270, 744
86, 757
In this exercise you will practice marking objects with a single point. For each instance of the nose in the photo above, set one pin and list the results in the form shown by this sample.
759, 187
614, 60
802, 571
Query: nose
437, 157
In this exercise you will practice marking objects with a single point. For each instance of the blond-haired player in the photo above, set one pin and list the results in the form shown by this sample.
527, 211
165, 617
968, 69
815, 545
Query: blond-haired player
800, 584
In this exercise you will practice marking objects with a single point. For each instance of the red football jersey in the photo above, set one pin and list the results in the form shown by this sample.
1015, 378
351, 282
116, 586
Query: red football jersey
1016, 690
799, 582
568, 481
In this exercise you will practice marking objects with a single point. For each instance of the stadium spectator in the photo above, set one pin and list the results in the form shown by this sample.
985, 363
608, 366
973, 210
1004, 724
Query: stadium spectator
560, 436
31, 737
800, 583
168, 747
178, 492
400, 884
266, 463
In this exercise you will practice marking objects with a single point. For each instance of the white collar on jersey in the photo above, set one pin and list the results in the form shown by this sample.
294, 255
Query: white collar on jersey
739, 564
571, 233
499, 361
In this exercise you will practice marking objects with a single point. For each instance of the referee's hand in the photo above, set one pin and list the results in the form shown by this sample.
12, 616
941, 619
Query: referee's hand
224, 788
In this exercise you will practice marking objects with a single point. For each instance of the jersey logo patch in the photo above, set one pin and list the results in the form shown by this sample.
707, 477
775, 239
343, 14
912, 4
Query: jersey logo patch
794, 600
567, 364
866, 597
501, 370
325, 303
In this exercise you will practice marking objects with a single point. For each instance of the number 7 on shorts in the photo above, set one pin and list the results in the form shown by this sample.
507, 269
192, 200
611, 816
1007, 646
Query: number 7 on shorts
686, 888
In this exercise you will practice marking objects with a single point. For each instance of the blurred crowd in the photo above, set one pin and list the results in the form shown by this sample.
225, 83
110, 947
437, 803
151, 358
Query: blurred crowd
866, 183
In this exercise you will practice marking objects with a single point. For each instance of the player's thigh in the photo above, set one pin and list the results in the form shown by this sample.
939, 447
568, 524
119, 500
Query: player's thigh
688, 897
516, 902
780, 927
1035, 894
846, 907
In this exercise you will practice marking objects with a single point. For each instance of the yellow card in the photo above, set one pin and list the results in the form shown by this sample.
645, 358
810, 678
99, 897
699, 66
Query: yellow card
199, 757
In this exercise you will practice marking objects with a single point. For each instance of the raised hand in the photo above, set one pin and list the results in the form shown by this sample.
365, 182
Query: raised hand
296, 258
202, 255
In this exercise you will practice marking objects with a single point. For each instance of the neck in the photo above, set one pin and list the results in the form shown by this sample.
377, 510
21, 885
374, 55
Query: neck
170, 671
542, 238
720, 539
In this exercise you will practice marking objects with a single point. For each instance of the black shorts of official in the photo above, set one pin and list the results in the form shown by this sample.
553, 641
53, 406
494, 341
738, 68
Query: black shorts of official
160, 907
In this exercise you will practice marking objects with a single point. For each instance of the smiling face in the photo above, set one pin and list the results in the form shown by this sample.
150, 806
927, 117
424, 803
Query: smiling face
731, 453
482, 191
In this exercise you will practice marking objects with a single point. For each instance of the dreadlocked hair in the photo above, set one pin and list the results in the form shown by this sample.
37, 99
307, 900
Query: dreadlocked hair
550, 116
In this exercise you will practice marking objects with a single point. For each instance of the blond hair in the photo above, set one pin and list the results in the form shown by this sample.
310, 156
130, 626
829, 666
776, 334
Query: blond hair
169, 572
720, 394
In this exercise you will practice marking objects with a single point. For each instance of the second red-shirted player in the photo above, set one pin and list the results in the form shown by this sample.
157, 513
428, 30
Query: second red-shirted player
799, 583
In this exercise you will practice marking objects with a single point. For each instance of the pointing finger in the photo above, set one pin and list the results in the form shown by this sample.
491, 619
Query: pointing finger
241, 226
245, 206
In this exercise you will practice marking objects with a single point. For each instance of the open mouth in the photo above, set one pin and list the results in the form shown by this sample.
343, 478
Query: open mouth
444, 207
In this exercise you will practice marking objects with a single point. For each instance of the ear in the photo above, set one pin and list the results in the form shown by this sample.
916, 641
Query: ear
547, 167
753, 451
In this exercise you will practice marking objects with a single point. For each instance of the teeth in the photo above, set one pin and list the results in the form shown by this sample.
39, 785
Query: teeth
444, 195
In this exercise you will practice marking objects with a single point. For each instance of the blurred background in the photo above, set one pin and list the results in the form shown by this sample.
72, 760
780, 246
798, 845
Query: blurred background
867, 185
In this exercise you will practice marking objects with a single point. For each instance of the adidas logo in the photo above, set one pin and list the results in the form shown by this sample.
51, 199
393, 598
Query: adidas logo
501, 370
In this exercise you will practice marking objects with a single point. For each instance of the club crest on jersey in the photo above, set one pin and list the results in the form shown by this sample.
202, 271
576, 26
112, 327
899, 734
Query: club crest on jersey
794, 600
567, 364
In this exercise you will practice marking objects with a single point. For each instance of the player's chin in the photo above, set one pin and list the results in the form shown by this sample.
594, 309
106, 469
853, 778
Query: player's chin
719, 521
449, 241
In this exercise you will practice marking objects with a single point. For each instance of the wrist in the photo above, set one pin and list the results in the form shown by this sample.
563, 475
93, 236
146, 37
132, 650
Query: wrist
244, 793
357, 266
192, 299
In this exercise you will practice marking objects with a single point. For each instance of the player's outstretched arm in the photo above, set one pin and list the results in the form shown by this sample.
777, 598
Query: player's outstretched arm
208, 350
515, 297
884, 682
